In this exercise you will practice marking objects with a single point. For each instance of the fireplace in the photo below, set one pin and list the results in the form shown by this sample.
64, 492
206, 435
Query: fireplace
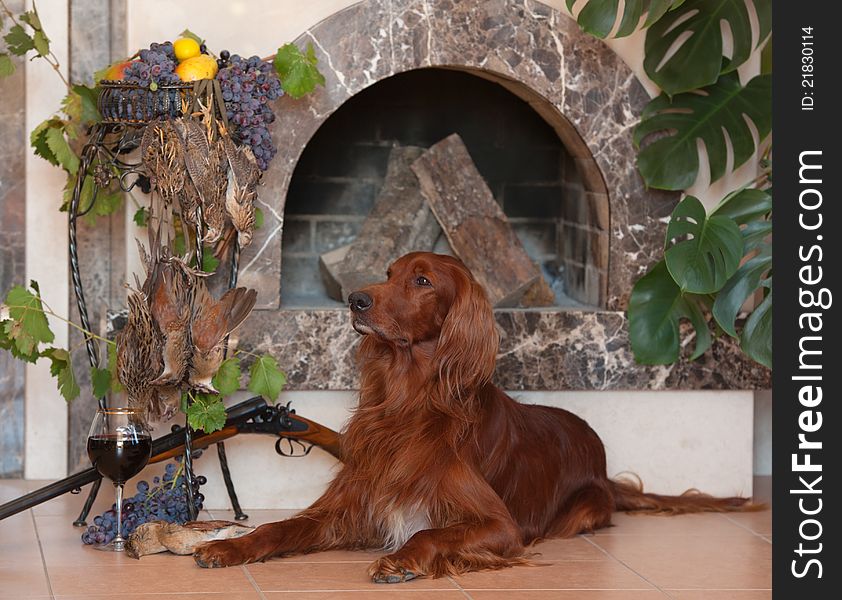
527, 167
546, 113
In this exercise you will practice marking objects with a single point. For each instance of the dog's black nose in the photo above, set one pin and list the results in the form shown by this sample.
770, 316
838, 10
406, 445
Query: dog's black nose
360, 301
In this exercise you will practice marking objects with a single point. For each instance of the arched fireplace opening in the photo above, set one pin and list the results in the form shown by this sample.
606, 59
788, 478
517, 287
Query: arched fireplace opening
560, 217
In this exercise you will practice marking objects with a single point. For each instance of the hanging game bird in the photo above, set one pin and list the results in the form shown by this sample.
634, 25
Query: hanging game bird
243, 175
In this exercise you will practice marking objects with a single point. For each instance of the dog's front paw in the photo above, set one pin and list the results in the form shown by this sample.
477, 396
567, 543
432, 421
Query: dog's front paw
391, 570
221, 553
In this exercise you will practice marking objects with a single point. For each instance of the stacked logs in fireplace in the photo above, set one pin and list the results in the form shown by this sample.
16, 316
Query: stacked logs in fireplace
425, 193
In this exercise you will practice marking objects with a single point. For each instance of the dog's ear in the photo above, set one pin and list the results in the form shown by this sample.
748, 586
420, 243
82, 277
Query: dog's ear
467, 347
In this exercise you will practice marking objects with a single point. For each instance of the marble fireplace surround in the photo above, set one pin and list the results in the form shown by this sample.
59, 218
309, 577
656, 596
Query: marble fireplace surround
591, 99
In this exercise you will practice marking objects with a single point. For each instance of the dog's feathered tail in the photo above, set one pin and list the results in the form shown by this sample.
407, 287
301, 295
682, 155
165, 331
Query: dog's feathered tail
629, 496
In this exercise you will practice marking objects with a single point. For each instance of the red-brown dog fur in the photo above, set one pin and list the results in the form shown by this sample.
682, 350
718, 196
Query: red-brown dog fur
441, 468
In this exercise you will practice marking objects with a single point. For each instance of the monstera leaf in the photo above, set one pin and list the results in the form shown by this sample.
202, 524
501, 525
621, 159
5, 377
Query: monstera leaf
756, 339
748, 279
598, 17
695, 28
655, 309
672, 162
702, 251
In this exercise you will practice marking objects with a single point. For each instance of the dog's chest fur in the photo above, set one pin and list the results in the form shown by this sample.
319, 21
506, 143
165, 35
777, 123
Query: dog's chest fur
399, 523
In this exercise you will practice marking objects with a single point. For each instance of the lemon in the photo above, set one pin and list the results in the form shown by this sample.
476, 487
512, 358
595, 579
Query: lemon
185, 48
197, 67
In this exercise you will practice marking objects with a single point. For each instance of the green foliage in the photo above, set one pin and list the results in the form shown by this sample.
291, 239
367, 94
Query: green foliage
695, 26
206, 413
189, 34
598, 17
209, 261
702, 252
141, 217
28, 325
738, 229
656, 306
7, 67
100, 382
18, 41
116, 386
672, 161
227, 378
298, 71
62, 369
266, 378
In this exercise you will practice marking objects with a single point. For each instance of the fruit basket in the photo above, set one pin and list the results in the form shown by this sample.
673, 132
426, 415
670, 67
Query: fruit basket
123, 102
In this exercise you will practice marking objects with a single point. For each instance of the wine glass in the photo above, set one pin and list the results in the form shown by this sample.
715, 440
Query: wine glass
119, 446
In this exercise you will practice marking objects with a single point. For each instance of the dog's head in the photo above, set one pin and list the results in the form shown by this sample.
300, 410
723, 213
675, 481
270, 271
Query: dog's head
434, 300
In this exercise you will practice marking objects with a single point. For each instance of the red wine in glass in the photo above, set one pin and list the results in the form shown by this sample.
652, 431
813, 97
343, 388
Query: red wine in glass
119, 446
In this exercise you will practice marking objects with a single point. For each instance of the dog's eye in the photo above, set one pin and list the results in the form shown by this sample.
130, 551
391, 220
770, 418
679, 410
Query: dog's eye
421, 280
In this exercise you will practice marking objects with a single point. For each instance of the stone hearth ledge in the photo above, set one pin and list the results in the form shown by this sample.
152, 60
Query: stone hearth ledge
543, 350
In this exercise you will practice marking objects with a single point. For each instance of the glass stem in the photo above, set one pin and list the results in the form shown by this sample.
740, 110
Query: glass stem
119, 511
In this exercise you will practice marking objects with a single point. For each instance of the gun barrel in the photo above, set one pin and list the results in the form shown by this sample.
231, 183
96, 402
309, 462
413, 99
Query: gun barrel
162, 449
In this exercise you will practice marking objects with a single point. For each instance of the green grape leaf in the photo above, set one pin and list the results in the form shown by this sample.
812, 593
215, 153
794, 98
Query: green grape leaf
189, 34
258, 218
297, 70
266, 378
107, 203
684, 48
116, 386
86, 99
227, 378
756, 339
141, 217
41, 43
29, 323
209, 261
62, 369
38, 140
7, 67
745, 282
598, 17
18, 41
206, 413
100, 381
32, 19
655, 309
671, 162
61, 149
702, 263
7, 342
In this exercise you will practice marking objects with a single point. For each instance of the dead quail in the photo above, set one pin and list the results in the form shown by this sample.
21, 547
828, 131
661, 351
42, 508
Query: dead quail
170, 298
213, 320
139, 358
243, 175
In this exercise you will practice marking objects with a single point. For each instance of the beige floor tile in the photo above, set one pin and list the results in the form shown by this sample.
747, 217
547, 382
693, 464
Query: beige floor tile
758, 522
179, 575
577, 548
18, 544
709, 524
19, 582
568, 595
560, 575
285, 576
12, 488
721, 594
252, 595
388, 593
695, 562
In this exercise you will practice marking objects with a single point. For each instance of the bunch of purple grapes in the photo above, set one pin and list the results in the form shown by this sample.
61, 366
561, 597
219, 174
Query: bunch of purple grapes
157, 64
248, 84
154, 67
165, 500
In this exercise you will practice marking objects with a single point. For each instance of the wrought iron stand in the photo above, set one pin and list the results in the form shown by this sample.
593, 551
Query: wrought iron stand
114, 141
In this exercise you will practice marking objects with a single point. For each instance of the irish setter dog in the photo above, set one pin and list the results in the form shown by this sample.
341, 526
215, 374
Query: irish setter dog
442, 469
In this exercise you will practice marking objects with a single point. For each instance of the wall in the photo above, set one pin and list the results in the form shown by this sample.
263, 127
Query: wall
246, 27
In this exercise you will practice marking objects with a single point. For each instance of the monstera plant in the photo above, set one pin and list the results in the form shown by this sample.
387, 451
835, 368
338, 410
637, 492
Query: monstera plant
713, 263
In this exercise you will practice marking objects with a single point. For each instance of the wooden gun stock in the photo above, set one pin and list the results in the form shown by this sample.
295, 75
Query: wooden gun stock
309, 431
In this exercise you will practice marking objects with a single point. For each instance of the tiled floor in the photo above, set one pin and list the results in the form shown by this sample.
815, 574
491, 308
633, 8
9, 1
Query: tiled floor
693, 557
